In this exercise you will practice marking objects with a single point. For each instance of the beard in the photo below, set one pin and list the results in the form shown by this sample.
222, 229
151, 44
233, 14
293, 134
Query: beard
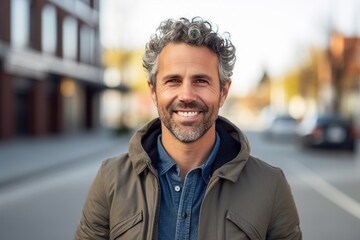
187, 131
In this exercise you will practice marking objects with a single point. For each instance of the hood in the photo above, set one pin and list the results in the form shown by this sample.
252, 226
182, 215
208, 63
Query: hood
233, 153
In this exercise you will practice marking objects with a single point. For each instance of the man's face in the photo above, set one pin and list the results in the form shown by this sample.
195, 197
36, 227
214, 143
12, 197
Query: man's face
187, 94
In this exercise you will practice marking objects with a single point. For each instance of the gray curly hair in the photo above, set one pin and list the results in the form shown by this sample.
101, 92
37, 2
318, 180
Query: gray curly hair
196, 32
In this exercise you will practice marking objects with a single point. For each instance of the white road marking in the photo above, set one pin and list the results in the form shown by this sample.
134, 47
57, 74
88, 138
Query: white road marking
328, 191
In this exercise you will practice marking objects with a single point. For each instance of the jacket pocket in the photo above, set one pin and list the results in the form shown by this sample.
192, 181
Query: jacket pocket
129, 228
238, 228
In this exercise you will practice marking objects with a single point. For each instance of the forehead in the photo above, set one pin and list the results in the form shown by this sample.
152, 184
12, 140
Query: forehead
177, 55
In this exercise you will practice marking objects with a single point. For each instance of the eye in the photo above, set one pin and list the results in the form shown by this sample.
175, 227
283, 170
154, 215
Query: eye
172, 81
201, 82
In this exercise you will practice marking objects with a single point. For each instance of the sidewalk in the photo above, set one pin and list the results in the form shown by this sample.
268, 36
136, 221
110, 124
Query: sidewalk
22, 158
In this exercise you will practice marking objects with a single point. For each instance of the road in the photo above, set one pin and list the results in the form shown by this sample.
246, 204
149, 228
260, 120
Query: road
325, 184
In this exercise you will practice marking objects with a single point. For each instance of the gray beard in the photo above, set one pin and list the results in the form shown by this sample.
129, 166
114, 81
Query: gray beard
188, 136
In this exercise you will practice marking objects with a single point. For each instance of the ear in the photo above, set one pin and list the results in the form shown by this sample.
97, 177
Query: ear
224, 93
152, 92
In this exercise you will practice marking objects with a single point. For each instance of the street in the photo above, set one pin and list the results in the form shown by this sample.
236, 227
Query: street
325, 184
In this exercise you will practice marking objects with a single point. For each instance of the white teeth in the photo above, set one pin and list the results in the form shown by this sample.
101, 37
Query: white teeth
187, 114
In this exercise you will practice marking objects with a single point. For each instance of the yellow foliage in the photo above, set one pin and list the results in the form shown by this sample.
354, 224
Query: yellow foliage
130, 65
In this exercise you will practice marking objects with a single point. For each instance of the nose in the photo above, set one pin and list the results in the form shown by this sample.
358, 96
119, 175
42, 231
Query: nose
187, 92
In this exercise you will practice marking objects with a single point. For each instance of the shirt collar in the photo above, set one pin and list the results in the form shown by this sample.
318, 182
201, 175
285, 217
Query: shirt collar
166, 162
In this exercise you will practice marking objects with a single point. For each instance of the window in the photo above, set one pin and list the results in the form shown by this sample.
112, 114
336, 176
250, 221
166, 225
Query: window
96, 4
87, 2
69, 38
87, 44
20, 23
48, 29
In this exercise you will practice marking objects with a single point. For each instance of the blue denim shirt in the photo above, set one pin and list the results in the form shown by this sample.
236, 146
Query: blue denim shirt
180, 202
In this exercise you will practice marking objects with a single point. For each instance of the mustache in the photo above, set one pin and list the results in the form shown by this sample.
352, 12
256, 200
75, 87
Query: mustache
191, 105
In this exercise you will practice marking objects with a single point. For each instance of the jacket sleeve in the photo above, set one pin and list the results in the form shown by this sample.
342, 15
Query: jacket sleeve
94, 223
285, 223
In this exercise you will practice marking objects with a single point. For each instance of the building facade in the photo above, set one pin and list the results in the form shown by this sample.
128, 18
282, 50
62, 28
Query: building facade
51, 74
340, 78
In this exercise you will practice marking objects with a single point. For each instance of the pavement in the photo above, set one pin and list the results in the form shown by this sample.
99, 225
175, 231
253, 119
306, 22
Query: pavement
22, 158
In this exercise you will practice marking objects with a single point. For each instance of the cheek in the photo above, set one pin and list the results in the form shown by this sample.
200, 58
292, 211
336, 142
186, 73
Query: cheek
164, 98
213, 99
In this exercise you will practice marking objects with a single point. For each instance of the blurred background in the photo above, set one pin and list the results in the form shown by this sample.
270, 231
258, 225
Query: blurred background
73, 90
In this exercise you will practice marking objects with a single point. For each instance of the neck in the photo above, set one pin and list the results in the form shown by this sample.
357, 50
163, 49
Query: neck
188, 155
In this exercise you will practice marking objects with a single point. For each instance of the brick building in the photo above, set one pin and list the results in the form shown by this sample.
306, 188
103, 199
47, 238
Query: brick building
50, 67
340, 79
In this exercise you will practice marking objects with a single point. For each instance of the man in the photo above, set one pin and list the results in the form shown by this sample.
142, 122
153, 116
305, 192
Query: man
189, 174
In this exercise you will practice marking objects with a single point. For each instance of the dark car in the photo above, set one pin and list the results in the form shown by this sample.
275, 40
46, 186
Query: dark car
327, 131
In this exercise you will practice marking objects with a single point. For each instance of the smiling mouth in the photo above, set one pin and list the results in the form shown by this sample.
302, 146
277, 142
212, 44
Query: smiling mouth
187, 114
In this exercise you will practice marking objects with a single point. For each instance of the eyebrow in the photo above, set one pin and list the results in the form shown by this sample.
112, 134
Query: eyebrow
196, 76
202, 75
171, 76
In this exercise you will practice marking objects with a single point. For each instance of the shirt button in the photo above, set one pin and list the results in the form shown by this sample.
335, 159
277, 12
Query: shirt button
177, 188
184, 215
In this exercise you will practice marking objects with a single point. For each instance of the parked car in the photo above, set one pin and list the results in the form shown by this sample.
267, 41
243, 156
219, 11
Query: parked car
282, 127
327, 131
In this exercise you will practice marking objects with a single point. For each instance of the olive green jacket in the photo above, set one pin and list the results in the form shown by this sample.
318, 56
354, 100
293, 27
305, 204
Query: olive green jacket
245, 199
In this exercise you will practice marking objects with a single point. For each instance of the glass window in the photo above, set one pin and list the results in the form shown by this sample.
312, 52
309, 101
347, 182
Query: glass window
96, 4
20, 23
69, 38
48, 29
87, 44
87, 2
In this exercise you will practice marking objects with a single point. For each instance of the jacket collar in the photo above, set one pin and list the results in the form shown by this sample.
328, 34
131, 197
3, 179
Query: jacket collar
231, 158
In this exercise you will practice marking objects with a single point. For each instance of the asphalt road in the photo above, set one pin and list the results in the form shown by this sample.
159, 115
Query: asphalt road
325, 184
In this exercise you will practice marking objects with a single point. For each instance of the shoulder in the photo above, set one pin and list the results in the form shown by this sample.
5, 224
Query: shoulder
262, 173
260, 166
115, 162
115, 168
